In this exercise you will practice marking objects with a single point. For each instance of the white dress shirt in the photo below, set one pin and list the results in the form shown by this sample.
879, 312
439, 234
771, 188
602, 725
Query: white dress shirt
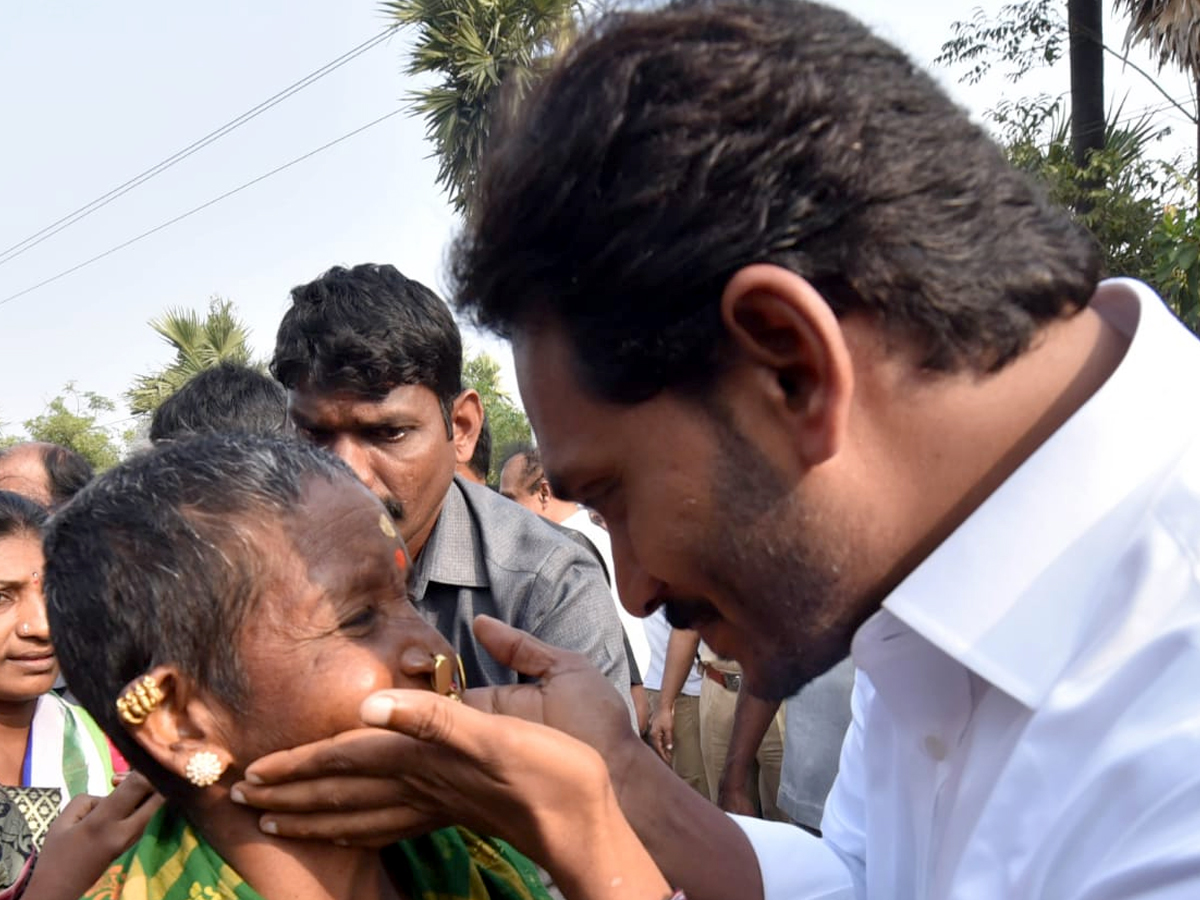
1027, 704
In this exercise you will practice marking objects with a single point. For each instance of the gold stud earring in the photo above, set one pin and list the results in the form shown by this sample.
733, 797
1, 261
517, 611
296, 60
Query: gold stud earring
443, 678
139, 700
204, 768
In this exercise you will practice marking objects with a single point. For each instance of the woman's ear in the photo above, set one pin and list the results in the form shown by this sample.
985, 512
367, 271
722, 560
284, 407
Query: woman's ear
786, 330
466, 417
176, 724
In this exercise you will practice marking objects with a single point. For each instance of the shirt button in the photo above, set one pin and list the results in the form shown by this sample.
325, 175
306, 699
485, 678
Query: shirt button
935, 747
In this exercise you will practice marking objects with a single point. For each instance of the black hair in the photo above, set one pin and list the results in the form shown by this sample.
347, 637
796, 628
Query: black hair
159, 561
369, 330
225, 398
19, 515
66, 471
481, 456
531, 464
670, 148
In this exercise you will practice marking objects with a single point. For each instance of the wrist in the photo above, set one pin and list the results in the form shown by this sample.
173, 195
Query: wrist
626, 767
606, 860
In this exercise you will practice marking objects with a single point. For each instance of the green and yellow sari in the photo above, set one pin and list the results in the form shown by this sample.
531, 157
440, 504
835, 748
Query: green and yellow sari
172, 861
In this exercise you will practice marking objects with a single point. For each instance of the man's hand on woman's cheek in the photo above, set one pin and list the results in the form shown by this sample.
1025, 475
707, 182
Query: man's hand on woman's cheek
441, 762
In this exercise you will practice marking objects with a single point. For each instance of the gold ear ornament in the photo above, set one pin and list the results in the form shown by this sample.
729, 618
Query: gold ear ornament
139, 700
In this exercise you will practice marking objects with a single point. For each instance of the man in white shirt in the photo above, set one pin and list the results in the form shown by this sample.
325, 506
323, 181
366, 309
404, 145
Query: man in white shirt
914, 429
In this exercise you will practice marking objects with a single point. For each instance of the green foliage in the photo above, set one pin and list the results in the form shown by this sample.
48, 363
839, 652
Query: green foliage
1123, 189
70, 420
1135, 204
1176, 244
506, 420
199, 344
1025, 36
475, 46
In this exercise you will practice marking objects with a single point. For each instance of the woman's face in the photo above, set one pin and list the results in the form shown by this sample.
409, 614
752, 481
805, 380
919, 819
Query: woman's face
27, 664
334, 624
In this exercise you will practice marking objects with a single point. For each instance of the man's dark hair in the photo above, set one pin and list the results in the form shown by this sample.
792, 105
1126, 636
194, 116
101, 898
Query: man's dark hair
531, 464
369, 330
20, 515
668, 149
160, 560
227, 398
481, 458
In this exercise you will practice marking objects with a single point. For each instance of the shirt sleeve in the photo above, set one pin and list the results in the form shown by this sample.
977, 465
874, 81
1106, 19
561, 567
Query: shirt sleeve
795, 865
572, 607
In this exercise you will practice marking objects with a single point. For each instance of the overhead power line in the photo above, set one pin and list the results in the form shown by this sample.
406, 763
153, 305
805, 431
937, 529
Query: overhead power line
103, 200
202, 206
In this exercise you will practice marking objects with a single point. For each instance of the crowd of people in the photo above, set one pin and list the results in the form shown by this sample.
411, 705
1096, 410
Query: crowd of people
855, 555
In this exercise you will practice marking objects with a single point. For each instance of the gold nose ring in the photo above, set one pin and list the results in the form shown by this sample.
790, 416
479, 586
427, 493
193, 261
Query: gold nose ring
443, 678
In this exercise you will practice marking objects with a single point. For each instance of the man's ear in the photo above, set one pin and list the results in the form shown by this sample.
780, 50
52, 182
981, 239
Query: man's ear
181, 724
785, 329
466, 416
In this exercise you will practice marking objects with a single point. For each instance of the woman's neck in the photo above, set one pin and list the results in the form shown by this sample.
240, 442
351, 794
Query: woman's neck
16, 717
280, 869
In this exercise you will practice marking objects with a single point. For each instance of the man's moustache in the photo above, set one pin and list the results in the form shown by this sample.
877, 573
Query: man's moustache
689, 614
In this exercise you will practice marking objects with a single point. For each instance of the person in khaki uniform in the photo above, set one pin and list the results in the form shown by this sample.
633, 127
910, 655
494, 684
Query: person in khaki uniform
673, 685
727, 762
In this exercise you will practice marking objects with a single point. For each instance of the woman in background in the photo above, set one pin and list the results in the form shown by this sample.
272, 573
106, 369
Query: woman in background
50, 750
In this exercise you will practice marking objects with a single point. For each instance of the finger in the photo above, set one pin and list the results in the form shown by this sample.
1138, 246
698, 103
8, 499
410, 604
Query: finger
376, 828
137, 821
130, 794
364, 751
75, 811
656, 740
340, 793
516, 649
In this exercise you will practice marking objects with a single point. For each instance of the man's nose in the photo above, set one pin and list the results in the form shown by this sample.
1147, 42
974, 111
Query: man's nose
352, 452
635, 586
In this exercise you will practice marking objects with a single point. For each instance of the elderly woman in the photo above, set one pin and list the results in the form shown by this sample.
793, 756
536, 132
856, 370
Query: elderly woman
226, 597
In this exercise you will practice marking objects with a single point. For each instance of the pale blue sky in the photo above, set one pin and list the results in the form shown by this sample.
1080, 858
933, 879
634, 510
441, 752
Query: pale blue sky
96, 93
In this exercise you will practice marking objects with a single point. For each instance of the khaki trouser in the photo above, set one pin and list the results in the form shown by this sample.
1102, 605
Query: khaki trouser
717, 706
686, 759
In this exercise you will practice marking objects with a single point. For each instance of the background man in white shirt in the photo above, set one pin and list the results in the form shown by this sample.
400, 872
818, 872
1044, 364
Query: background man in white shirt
755, 231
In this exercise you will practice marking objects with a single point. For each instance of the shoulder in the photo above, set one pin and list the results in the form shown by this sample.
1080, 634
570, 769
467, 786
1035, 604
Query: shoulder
517, 540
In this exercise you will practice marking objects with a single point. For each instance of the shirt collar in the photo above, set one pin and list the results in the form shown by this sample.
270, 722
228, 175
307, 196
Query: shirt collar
1007, 594
452, 555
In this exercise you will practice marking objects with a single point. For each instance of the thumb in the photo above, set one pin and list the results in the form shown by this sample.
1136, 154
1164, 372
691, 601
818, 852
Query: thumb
515, 649
429, 718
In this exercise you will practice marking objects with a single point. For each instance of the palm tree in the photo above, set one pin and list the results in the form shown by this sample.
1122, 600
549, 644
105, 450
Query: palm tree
476, 46
1172, 29
199, 344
